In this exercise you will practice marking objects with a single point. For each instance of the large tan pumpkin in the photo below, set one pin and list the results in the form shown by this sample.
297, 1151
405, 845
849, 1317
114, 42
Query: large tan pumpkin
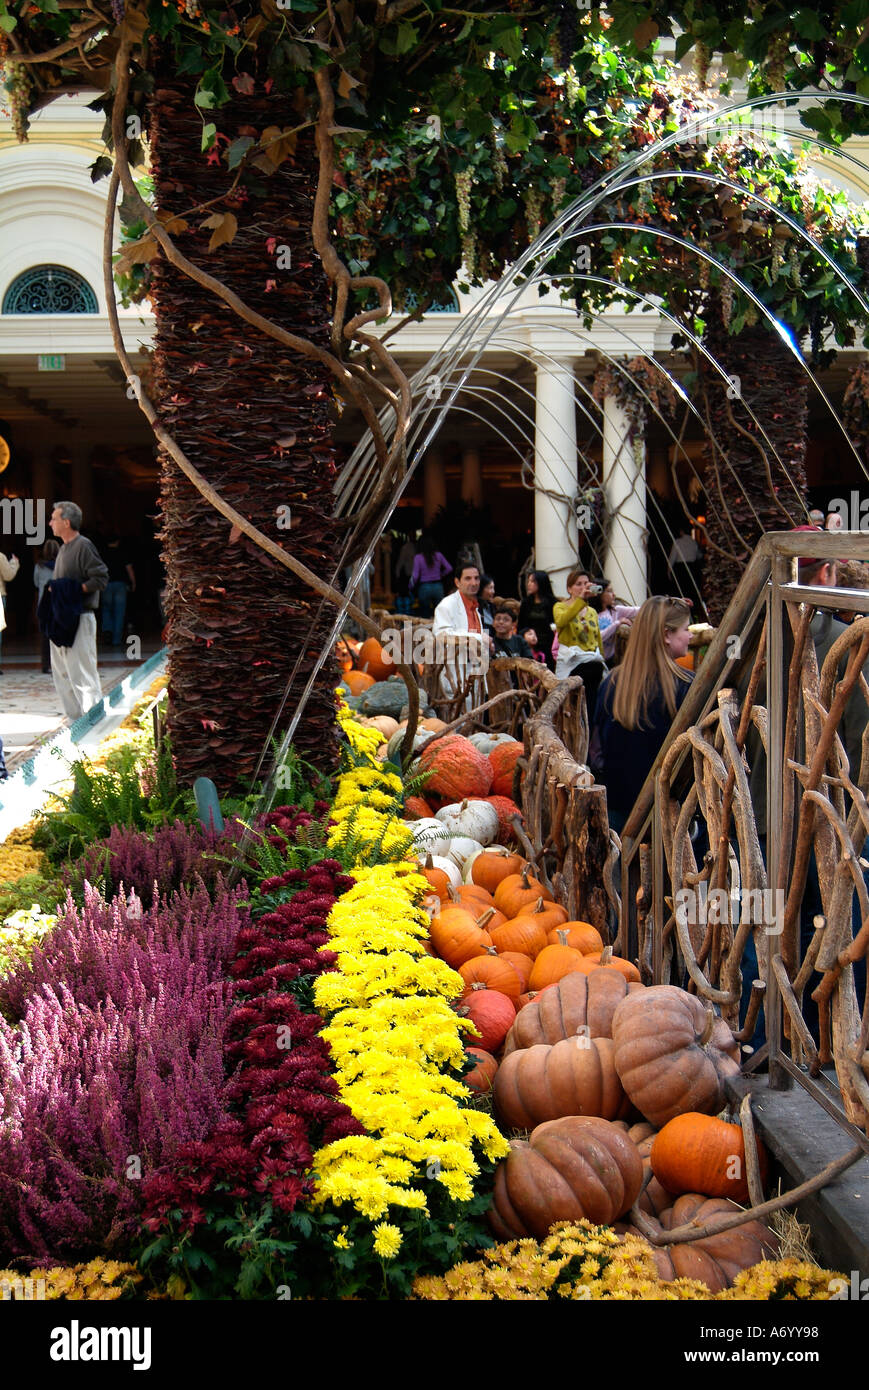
577, 1004
714, 1260
672, 1054
576, 1076
569, 1169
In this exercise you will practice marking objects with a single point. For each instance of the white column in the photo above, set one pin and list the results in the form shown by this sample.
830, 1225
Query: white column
624, 480
472, 477
555, 535
434, 486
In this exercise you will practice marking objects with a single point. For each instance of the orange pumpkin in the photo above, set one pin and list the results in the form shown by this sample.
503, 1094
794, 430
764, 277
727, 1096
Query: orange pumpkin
458, 770
687, 661
519, 892
503, 758
490, 972
481, 1078
552, 964
344, 654
606, 960
439, 879
700, 1153
374, 660
459, 938
520, 962
549, 915
468, 893
490, 868
540, 1083
357, 681
524, 934
417, 808
582, 936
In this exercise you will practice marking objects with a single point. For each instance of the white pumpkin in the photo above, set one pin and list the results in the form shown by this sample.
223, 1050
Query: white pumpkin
462, 848
475, 819
485, 742
429, 835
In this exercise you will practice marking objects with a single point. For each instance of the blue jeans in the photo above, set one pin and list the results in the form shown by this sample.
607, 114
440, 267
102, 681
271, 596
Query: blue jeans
114, 603
429, 596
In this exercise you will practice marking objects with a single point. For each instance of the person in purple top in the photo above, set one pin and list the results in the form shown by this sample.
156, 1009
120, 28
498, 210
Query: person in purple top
427, 580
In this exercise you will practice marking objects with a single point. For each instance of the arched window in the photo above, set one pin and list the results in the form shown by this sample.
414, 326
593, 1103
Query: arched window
50, 289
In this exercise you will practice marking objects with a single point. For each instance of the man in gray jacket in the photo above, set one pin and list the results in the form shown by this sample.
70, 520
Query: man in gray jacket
76, 678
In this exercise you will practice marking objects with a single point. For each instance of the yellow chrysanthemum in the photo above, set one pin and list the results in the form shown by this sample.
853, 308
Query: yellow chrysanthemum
387, 1240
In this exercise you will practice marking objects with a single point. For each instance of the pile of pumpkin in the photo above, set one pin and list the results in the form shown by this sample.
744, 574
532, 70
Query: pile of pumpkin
618, 1084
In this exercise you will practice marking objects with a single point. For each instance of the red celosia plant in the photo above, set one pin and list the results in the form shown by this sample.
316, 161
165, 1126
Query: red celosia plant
282, 1096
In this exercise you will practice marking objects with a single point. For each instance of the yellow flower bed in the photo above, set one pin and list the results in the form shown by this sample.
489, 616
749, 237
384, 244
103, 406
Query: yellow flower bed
99, 1279
591, 1263
18, 857
393, 1036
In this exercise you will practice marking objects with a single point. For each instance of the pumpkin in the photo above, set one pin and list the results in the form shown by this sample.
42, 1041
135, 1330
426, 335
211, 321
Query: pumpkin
384, 723
582, 936
457, 769
503, 760
476, 820
553, 963
429, 836
548, 915
576, 1076
491, 1014
672, 1054
417, 808
714, 1260
654, 1199
489, 971
487, 741
458, 937
597, 960
435, 726
441, 874
573, 1168
491, 866
468, 895
518, 892
393, 747
578, 1004
521, 963
523, 934
374, 660
461, 848
358, 681
344, 653
699, 1153
506, 809
481, 1078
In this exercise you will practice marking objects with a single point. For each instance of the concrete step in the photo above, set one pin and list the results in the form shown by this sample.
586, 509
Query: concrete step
801, 1139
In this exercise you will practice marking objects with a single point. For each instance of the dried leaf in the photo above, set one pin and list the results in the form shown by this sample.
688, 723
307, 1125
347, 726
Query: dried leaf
136, 253
235, 534
346, 83
225, 225
174, 225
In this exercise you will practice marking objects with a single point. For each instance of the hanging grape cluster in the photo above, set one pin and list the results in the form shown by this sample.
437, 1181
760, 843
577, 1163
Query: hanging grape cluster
567, 34
18, 86
463, 199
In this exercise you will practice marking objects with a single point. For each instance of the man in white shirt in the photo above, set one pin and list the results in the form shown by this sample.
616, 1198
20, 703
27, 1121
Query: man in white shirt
461, 645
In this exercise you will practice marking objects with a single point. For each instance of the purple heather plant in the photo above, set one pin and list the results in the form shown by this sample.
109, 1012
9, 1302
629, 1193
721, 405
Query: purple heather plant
116, 1064
171, 857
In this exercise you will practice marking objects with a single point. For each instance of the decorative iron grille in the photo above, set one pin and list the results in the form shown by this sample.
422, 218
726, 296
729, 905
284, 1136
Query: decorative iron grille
50, 289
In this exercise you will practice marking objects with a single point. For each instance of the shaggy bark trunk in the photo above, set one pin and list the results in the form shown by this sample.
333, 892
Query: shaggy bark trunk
748, 478
256, 420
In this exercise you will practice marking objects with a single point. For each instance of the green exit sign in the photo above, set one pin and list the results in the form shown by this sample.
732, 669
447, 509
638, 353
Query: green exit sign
51, 362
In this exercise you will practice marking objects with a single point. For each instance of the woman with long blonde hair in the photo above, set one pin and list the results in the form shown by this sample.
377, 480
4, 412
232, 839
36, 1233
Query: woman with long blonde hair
637, 702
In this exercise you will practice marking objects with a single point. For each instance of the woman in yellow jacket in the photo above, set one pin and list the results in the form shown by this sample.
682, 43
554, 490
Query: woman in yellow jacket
580, 649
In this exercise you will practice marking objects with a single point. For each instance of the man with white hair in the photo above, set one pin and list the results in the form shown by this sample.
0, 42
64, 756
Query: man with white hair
74, 668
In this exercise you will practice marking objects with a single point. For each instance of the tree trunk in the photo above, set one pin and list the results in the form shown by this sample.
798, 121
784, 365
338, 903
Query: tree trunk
256, 420
742, 476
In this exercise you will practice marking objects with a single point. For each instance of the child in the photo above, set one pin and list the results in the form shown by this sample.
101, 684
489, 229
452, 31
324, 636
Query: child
531, 639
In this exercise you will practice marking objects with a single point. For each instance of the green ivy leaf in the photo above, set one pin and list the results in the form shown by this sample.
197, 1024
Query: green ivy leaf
208, 133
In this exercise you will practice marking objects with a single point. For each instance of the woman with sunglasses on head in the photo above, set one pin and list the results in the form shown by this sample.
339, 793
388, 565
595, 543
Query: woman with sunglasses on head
637, 703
